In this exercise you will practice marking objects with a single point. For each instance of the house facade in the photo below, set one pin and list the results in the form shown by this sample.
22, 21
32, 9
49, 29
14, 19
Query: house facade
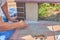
28, 10
31, 7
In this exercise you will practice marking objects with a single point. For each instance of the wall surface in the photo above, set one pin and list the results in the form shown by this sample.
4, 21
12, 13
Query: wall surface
31, 11
11, 4
32, 14
37, 0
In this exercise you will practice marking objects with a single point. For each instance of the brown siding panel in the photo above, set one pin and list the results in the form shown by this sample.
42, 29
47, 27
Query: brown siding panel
20, 4
21, 15
20, 10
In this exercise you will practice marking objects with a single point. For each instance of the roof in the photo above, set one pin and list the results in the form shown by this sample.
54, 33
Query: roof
37, 0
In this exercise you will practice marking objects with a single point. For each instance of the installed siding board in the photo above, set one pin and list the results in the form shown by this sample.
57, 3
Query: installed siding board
11, 4
21, 14
21, 11
20, 4
37, 0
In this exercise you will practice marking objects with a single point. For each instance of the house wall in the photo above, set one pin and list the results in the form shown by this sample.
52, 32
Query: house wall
31, 11
31, 14
11, 4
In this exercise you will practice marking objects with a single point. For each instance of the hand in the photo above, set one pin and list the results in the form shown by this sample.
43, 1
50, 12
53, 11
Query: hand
13, 19
22, 24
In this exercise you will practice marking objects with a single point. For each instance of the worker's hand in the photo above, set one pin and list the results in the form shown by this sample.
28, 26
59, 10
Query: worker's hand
13, 19
22, 24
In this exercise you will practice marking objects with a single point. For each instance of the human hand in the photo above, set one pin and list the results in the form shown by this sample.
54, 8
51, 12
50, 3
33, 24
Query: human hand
13, 19
22, 24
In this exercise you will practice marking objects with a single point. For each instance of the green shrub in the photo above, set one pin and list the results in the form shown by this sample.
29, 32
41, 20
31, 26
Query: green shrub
45, 7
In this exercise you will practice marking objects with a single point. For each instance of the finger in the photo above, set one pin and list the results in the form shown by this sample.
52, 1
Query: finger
15, 21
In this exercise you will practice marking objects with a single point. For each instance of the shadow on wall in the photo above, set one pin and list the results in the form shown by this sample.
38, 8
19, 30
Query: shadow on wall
52, 17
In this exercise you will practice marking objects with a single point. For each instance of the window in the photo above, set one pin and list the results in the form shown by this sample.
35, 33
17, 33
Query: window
21, 11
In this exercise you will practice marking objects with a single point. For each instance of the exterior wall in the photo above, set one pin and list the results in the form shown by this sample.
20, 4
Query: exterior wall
11, 3
37, 1
31, 14
31, 11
